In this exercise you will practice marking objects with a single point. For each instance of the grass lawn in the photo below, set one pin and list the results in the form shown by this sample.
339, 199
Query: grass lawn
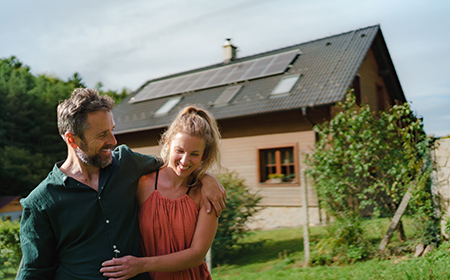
261, 258
263, 262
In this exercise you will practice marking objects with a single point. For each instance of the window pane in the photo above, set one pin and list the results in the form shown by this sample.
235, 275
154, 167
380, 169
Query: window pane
285, 85
168, 106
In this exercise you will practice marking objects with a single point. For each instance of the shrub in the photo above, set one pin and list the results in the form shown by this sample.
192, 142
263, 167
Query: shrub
10, 252
241, 205
365, 161
345, 243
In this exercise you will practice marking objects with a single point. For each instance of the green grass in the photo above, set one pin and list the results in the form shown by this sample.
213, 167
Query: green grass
262, 260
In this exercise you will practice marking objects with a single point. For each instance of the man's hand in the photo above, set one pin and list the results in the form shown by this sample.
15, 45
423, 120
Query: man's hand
213, 192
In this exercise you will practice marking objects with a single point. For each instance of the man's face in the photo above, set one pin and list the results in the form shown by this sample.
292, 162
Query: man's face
96, 149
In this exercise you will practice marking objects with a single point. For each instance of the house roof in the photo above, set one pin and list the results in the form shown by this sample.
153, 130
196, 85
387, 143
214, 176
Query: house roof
5, 200
326, 67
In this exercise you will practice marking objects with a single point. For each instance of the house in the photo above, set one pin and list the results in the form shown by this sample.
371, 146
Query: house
10, 207
266, 106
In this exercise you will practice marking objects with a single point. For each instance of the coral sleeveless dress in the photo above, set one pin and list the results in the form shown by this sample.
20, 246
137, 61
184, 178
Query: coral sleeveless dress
167, 226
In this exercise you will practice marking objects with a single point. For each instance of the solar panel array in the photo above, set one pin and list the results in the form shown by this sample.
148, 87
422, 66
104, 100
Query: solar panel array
252, 69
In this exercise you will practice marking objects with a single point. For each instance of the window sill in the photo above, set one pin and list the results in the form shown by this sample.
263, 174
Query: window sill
283, 184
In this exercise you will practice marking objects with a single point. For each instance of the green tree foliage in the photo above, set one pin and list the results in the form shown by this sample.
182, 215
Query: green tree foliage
29, 139
241, 206
365, 161
117, 96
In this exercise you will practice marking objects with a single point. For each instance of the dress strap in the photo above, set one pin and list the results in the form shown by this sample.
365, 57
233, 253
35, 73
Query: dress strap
156, 179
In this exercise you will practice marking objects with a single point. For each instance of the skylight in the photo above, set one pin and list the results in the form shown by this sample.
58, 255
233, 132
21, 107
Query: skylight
226, 96
172, 102
285, 85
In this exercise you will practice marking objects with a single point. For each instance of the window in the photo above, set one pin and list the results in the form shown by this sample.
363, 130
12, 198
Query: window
278, 165
226, 96
285, 85
168, 106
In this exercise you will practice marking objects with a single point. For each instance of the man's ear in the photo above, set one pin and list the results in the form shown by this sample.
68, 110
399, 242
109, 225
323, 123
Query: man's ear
70, 139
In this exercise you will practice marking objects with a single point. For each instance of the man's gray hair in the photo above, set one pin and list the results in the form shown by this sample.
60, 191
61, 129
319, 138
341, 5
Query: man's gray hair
72, 112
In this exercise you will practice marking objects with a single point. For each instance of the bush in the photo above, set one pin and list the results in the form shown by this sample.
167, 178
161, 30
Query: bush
10, 251
241, 205
345, 243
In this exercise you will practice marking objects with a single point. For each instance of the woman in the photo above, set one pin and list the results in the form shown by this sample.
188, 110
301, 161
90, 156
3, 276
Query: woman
176, 231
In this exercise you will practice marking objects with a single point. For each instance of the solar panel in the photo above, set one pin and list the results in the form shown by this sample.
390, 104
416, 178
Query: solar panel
184, 85
206, 75
219, 76
237, 72
144, 92
279, 63
164, 88
252, 69
257, 68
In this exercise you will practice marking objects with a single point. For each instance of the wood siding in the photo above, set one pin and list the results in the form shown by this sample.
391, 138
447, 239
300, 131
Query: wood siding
371, 82
240, 154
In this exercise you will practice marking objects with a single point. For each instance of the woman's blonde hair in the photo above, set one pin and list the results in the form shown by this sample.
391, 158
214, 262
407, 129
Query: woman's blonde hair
200, 123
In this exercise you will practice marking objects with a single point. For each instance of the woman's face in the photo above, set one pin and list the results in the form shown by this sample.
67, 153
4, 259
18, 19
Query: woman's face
185, 154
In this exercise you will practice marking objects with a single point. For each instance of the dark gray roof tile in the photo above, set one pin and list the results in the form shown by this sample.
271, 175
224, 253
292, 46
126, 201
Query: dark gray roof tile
327, 67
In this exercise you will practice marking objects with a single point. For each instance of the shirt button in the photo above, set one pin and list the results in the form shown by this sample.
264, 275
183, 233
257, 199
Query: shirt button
99, 197
107, 221
114, 247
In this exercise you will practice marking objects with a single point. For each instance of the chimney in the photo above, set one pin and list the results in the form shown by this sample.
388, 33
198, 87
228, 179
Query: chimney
229, 51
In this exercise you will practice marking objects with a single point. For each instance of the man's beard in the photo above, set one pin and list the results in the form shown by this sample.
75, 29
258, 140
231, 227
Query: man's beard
96, 160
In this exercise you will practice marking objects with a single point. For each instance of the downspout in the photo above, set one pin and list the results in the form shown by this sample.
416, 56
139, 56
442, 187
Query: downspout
310, 121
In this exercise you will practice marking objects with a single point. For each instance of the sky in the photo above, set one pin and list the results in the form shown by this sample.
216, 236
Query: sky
122, 44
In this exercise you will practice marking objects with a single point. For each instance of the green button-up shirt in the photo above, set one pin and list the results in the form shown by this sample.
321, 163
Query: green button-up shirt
68, 229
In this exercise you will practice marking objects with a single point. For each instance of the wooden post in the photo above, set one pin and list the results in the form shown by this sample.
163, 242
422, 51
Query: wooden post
209, 260
434, 185
398, 215
20, 268
305, 215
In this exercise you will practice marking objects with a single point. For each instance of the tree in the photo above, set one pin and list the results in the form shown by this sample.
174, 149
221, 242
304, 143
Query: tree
29, 140
365, 161
116, 96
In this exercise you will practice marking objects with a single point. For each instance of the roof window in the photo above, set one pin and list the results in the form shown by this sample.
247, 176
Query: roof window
226, 96
172, 102
285, 85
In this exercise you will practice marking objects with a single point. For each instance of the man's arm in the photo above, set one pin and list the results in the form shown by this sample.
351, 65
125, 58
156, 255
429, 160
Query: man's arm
213, 193
38, 245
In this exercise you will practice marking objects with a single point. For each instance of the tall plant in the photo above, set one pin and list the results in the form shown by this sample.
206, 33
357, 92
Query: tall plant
365, 161
241, 206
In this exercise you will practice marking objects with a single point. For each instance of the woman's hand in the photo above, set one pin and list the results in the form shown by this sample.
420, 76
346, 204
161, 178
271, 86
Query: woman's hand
121, 268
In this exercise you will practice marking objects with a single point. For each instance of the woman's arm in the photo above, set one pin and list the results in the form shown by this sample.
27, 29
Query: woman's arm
129, 266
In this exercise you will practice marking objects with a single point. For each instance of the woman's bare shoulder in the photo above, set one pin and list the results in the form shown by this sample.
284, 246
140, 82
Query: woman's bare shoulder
146, 186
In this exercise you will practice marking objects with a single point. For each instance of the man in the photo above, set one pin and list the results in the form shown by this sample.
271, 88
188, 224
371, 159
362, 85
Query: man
85, 211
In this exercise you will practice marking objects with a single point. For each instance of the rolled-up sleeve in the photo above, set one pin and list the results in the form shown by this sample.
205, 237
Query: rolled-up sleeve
38, 245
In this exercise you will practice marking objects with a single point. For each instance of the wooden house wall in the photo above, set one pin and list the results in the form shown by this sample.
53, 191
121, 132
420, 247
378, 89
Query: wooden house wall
370, 82
12, 206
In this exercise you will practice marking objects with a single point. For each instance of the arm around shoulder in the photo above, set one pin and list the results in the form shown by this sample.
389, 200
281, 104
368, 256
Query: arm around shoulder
213, 193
